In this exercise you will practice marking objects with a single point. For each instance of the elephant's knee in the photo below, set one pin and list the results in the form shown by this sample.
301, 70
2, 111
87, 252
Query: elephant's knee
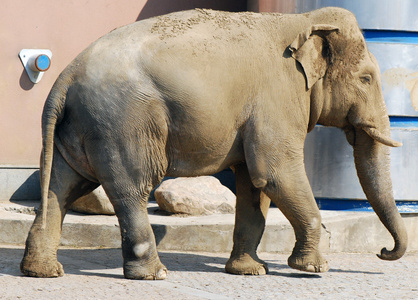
315, 222
259, 182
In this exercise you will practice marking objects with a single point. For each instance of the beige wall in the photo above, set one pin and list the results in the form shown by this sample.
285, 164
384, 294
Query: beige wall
66, 28
282, 6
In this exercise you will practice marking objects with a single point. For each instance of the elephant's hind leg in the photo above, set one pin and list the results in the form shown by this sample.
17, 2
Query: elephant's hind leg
128, 177
251, 212
66, 186
139, 247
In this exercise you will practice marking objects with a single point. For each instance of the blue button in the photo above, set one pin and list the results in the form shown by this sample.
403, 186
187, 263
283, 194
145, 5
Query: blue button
42, 62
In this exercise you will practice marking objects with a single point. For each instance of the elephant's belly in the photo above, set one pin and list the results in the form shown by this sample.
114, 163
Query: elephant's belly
188, 164
188, 168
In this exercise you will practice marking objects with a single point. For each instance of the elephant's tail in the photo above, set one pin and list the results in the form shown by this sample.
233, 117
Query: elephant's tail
52, 115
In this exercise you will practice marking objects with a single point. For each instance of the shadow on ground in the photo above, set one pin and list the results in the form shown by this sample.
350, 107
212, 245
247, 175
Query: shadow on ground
95, 262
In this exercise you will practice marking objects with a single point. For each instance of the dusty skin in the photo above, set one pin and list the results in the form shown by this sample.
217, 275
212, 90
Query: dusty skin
98, 274
195, 92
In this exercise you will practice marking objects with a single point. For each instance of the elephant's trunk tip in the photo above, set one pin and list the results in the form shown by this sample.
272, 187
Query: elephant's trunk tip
394, 254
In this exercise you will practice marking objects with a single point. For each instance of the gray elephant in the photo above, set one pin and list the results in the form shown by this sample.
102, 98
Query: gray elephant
194, 92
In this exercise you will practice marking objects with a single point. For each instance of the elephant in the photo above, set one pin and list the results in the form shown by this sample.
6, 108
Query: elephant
194, 92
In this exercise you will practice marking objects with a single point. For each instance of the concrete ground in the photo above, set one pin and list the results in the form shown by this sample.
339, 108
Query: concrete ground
342, 231
195, 250
97, 274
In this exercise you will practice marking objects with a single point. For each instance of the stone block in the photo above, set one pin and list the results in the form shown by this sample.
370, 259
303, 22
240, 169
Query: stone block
95, 203
203, 195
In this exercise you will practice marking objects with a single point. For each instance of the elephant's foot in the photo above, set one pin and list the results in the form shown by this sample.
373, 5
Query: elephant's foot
246, 265
311, 262
135, 270
41, 267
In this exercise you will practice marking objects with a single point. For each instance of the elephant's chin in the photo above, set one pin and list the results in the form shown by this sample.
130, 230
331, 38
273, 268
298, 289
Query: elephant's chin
379, 137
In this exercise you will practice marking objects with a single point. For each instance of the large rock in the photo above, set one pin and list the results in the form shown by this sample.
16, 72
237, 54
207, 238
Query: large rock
95, 202
195, 196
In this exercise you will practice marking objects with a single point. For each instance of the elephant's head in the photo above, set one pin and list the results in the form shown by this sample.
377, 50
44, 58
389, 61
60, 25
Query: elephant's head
343, 79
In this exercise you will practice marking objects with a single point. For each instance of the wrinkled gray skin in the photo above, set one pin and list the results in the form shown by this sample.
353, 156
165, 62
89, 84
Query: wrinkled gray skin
195, 92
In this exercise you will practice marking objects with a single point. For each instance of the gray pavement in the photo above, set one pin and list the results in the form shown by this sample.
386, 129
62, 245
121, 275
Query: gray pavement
97, 274
195, 250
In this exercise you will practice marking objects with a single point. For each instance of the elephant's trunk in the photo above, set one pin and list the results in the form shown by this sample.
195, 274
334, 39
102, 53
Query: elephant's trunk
372, 160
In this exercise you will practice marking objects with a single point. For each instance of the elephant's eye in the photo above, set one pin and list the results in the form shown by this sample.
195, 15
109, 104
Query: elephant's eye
366, 79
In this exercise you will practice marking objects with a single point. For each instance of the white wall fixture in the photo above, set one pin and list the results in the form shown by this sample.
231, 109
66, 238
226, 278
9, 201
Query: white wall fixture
36, 62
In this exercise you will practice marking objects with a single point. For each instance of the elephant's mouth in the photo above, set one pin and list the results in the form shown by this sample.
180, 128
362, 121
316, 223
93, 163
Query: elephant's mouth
350, 134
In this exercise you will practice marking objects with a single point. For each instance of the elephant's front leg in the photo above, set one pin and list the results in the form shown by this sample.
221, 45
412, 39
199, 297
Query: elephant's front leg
250, 218
292, 194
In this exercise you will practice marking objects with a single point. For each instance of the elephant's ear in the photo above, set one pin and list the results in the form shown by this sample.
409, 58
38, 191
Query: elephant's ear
308, 50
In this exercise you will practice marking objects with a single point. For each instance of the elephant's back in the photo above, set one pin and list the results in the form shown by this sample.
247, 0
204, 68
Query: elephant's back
192, 32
